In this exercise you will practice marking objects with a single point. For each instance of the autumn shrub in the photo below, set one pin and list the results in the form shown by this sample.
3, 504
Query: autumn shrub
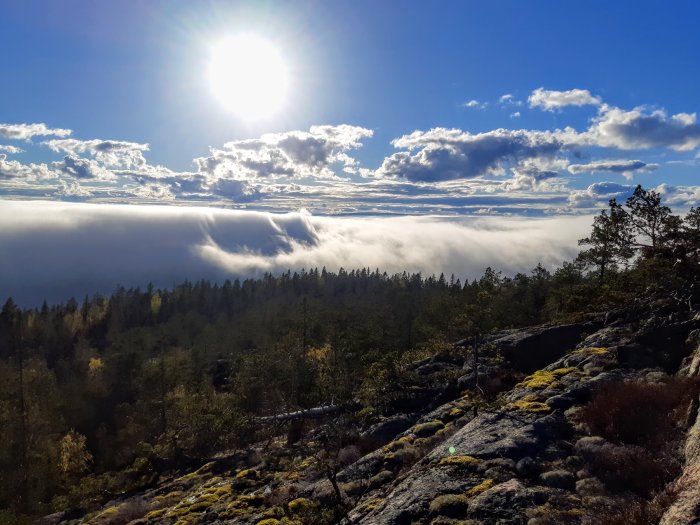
638, 413
642, 421
631, 468
634, 510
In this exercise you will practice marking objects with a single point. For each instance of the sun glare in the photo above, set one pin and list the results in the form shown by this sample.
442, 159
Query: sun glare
248, 76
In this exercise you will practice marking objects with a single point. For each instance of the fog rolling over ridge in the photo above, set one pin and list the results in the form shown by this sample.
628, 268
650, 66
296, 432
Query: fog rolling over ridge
53, 251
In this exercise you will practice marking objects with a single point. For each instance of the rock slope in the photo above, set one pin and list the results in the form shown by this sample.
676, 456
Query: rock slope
514, 452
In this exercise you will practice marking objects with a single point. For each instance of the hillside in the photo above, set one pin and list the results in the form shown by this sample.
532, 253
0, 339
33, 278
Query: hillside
596, 435
320, 397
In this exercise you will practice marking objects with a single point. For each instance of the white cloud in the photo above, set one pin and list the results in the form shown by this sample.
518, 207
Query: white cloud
679, 196
625, 167
475, 104
27, 131
82, 168
294, 154
10, 149
111, 153
598, 194
445, 154
553, 100
56, 250
537, 175
12, 169
515, 115
509, 100
636, 129
72, 189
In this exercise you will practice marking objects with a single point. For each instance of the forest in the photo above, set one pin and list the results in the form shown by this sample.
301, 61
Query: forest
99, 395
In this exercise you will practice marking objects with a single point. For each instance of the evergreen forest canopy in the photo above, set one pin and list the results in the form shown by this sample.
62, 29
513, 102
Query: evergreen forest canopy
97, 397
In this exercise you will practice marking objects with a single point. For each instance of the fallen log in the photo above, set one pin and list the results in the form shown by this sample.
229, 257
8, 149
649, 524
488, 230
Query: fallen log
309, 413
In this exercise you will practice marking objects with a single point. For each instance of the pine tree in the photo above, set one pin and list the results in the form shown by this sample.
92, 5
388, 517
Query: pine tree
610, 241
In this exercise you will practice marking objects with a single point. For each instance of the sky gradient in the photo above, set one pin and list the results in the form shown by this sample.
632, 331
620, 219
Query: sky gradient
451, 112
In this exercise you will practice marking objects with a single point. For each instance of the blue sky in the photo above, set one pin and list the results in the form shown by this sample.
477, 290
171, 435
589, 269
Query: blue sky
449, 111
136, 72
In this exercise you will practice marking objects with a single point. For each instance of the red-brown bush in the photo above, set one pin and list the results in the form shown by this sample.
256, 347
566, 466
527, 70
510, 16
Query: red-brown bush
638, 413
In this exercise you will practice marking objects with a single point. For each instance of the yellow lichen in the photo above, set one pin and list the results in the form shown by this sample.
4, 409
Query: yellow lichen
531, 406
106, 513
205, 468
592, 350
371, 505
274, 512
545, 378
167, 497
398, 444
155, 514
306, 463
188, 477
300, 505
478, 489
461, 461
456, 413
247, 473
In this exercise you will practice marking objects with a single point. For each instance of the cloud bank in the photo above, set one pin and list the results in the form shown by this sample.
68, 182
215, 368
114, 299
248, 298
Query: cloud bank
51, 250
526, 171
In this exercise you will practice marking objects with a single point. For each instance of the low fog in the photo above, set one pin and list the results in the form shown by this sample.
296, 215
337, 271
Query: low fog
54, 251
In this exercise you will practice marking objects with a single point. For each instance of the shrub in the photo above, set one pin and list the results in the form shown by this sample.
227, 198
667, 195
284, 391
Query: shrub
639, 413
632, 468
634, 510
428, 429
453, 505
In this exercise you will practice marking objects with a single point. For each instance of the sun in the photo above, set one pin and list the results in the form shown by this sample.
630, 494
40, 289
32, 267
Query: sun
248, 76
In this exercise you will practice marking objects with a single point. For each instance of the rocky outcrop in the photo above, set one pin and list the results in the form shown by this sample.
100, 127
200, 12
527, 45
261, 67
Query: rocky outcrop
686, 509
514, 453
531, 349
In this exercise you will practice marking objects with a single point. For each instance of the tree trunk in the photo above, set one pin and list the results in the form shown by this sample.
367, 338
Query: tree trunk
23, 456
331, 475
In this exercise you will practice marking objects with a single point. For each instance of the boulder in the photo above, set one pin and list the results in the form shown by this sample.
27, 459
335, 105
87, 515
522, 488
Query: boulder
386, 430
527, 467
534, 348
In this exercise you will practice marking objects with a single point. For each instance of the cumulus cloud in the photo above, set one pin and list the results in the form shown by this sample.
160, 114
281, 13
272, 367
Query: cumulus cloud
637, 129
537, 175
71, 190
112, 153
445, 154
27, 131
599, 193
12, 169
57, 250
550, 100
236, 190
294, 154
81, 168
681, 196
